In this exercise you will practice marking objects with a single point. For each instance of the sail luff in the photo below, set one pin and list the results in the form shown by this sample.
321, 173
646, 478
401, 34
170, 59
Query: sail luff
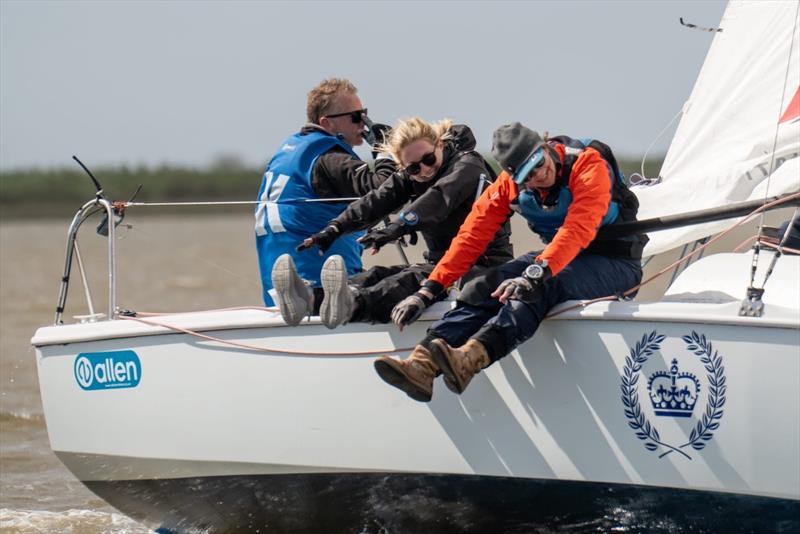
730, 131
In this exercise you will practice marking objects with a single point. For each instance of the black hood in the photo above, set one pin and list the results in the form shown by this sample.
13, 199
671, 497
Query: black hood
463, 138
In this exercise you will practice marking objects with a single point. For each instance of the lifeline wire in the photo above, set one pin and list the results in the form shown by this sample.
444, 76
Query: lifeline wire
408, 349
237, 202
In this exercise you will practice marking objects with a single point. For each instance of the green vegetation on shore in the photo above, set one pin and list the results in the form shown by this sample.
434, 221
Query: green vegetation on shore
60, 192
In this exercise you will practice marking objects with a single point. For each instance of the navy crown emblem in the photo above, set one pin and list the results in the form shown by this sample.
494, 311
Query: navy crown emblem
673, 394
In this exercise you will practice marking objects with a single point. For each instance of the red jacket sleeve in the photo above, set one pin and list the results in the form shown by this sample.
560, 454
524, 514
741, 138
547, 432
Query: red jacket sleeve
488, 214
590, 184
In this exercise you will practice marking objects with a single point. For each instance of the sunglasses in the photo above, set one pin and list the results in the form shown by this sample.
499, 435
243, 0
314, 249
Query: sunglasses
538, 164
428, 160
356, 116
530, 167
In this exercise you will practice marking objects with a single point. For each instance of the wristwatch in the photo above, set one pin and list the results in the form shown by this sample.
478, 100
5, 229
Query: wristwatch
536, 271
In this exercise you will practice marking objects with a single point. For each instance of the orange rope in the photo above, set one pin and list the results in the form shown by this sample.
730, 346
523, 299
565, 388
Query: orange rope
687, 256
369, 353
257, 308
257, 348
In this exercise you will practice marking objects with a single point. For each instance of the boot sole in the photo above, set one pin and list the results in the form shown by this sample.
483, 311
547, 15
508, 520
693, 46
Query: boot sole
439, 356
395, 378
337, 304
287, 285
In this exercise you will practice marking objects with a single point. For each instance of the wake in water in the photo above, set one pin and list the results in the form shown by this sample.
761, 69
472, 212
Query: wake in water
68, 522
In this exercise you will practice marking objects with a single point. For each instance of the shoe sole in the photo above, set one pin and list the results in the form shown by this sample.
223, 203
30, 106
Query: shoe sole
337, 303
394, 377
439, 357
285, 281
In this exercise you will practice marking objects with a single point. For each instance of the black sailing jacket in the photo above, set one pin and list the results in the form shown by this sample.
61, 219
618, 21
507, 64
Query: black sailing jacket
439, 205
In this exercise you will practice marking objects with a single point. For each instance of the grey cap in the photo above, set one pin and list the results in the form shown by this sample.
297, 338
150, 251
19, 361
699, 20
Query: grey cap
513, 144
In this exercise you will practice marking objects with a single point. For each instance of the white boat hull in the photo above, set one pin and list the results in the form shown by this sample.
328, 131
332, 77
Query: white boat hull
551, 415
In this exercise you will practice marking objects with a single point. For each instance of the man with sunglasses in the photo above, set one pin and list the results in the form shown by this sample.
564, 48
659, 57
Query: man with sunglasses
312, 165
566, 189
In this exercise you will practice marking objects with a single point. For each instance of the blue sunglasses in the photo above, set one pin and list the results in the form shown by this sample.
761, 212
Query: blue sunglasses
532, 165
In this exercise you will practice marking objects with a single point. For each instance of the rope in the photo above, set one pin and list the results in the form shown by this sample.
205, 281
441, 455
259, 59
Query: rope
669, 267
583, 304
248, 346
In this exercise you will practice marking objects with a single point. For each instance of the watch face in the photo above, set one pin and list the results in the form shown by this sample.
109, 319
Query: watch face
534, 271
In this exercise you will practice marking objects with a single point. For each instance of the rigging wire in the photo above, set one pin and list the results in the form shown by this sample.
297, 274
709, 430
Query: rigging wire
157, 323
677, 262
236, 202
644, 180
757, 247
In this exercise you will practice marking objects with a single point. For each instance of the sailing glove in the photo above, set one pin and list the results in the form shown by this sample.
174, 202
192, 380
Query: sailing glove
375, 239
524, 288
378, 134
323, 239
410, 308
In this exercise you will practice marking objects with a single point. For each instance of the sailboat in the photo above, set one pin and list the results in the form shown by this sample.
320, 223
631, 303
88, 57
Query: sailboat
678, 413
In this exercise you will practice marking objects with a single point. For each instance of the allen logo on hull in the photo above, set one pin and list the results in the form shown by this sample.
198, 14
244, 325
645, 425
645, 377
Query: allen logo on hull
674, 394
107, 370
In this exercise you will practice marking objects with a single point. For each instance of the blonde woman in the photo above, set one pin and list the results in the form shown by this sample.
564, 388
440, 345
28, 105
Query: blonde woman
440, 175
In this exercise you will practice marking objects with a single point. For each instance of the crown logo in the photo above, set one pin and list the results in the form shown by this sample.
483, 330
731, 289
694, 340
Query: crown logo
673, 394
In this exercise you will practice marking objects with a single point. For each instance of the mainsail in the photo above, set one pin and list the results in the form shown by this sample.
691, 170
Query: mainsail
739, 137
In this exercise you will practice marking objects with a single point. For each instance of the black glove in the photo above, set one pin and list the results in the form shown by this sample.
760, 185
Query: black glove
323, 239
524, 288
375, 239
410, 308
376, 135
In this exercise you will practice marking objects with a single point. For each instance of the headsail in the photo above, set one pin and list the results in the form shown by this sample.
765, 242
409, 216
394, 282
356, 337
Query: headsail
741, 120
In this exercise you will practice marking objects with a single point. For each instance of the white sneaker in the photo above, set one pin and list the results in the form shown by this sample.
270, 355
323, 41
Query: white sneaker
338, 303
295, 298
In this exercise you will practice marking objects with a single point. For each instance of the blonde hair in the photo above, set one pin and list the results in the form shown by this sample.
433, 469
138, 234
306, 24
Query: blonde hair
322, 96
406, 131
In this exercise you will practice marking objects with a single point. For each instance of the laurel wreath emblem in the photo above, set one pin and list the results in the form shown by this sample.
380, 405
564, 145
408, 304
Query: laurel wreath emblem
645, 431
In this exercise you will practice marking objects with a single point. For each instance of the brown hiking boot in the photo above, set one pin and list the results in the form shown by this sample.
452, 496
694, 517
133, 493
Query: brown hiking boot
414, 375
461, 364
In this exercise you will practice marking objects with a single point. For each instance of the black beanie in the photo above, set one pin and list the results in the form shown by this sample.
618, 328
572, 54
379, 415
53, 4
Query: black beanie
513, 144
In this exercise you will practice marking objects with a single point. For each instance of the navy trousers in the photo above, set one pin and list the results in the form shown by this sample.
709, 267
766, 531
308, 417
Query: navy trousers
502, 327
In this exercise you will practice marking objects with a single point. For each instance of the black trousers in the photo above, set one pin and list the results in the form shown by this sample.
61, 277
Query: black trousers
381, 288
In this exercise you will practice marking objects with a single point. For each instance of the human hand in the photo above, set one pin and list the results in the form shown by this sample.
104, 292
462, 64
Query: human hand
524, 288
323, 239
378, 135
375, 239
519, 288
410, 309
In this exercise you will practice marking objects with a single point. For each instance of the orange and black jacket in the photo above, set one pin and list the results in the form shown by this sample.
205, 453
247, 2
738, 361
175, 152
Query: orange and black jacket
592, 188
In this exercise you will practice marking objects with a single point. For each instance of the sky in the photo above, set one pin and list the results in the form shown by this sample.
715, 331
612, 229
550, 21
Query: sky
188, 83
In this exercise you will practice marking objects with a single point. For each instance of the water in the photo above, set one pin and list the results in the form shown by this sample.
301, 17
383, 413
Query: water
165, 263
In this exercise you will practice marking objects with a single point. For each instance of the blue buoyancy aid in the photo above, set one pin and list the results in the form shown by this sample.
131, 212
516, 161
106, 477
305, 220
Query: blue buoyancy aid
284, 218
546, 217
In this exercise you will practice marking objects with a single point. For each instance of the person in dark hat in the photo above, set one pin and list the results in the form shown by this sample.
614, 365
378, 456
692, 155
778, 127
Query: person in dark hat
566, 189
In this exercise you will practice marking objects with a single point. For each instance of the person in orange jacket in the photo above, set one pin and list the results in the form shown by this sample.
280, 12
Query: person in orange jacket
566, 189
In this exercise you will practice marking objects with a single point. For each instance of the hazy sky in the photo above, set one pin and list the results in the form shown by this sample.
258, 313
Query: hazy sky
185, 82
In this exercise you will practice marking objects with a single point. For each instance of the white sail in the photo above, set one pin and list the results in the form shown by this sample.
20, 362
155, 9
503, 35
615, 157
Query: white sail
741, 120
